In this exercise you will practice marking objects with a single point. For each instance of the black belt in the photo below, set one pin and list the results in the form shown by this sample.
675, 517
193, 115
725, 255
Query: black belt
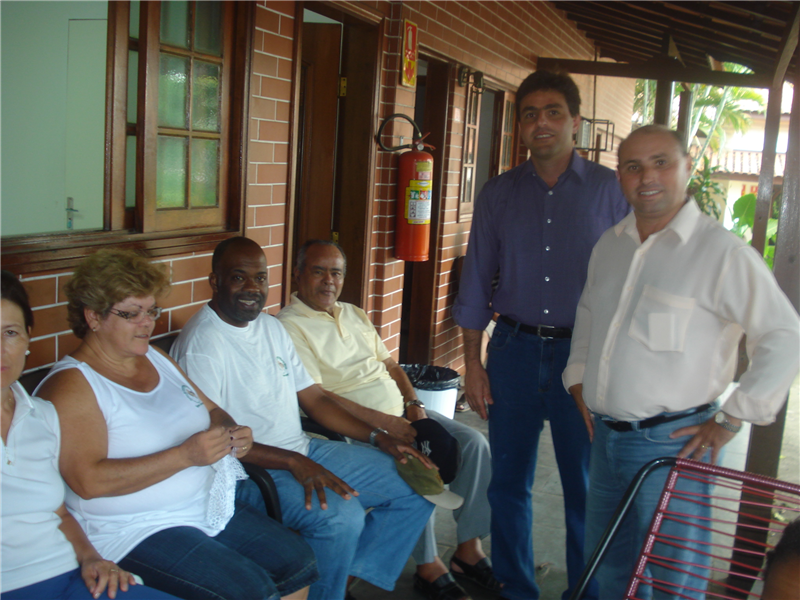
543, 331
653, 421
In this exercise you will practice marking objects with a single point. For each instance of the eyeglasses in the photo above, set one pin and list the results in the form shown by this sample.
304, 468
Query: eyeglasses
138, 317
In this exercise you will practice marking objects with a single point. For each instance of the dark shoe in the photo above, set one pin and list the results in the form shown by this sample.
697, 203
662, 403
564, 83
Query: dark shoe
443, 587
480, 573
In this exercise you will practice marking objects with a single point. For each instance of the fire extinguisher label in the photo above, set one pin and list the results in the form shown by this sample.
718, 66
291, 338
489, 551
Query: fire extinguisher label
418, 202
424, 169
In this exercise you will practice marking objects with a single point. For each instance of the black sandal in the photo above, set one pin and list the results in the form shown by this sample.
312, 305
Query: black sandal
443, 587
480, 573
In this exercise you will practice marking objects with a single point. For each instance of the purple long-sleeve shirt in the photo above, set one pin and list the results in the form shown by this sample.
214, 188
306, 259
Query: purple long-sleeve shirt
540, 239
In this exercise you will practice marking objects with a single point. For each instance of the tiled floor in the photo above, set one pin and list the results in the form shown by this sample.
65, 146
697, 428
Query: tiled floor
548, 530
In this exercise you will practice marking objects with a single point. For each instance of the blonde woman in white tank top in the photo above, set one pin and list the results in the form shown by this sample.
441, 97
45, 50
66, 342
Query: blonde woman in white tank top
149, 458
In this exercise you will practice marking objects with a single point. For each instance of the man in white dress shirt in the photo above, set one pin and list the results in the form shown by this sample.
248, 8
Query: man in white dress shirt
668, 295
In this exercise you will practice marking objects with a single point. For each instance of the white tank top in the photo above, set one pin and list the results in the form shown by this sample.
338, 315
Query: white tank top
140, 424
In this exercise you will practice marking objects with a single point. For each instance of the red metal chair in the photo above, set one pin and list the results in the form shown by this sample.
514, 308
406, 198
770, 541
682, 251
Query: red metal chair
748, 514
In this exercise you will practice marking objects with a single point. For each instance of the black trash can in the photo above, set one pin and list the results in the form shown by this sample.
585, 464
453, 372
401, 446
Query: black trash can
437, 387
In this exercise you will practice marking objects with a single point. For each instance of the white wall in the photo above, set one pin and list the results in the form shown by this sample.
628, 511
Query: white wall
35, 55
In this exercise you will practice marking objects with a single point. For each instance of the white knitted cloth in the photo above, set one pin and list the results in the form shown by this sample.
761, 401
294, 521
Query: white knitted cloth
222, 495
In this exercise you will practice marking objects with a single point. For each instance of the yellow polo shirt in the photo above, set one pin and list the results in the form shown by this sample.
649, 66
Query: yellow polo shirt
343, 353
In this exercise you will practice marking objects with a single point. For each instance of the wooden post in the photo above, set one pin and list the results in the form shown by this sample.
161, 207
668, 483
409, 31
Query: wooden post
663, 107
685, 117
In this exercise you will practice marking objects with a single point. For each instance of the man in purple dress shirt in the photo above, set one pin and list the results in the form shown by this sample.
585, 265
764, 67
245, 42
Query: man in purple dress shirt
536, 225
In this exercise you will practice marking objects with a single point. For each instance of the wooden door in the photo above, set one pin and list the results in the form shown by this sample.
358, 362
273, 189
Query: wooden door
355, 166
319, 81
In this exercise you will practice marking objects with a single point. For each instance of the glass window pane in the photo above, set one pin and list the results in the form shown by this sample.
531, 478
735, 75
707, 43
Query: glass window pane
173, 81
205, 172
469, 158
130, 171
208, 28
205, 96
466, 185
509, 124
474, 103
175, 23
133, 84
133, 30
171, 172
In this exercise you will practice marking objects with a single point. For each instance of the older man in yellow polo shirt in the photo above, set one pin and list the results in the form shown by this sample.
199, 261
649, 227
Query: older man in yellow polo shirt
343, 353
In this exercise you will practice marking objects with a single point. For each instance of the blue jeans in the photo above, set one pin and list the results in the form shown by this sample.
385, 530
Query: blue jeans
70, 586
616, 458
525, 376
346, 540
254, 557
473, 519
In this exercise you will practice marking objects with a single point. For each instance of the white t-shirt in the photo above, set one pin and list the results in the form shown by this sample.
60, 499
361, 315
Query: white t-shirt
33, 547
252, 372
139, 424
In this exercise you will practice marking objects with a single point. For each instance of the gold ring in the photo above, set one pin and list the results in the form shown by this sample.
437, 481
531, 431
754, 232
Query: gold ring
115, 570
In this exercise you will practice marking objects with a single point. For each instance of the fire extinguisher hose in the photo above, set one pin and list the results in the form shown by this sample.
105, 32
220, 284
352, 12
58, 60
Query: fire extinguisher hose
417, 140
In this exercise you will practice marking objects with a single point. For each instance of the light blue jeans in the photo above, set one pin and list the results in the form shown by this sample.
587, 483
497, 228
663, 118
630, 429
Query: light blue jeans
474, 518
346, 540
616, 458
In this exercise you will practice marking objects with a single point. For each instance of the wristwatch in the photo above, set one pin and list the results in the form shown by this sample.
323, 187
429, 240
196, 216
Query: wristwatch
414, 402
374, 435
721, 419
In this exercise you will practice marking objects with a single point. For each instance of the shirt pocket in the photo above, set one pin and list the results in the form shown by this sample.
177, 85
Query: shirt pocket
660, 320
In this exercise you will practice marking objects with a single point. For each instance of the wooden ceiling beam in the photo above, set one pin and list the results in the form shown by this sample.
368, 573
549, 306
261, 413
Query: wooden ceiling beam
646, 71
617, 28
648, 11
714, 16
604, 15
760, 10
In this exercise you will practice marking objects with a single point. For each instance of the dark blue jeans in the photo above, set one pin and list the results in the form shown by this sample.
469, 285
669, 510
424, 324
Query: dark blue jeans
525, 376
254, 557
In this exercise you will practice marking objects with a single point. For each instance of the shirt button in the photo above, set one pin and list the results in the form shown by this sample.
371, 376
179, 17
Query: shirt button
547, 248
549, 220
547, 279
545, 311
550, 193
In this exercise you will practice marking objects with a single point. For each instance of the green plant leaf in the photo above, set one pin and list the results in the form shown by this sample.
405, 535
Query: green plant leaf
744, 210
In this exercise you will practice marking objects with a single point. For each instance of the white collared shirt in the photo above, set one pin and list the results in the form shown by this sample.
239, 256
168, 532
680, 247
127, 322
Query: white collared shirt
658, 324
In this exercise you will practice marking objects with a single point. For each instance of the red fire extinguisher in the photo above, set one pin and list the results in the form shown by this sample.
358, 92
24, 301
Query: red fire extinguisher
414, 197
